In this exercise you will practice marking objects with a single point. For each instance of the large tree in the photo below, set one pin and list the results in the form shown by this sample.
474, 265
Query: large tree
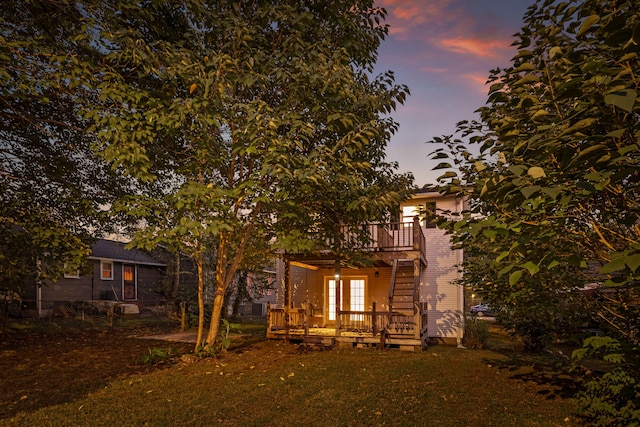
554, 182
53, 187
244, 120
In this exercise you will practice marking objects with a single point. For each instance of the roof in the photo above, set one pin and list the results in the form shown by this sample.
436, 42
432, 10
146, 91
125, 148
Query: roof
108, 249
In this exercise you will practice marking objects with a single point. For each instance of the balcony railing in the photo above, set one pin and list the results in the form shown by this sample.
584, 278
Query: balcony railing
385, 236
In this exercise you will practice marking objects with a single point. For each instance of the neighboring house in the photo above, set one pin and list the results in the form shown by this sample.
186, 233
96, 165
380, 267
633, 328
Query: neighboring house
261, 291
114, 273
405, 299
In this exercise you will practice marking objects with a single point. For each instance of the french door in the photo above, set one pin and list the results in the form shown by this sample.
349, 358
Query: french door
352, 297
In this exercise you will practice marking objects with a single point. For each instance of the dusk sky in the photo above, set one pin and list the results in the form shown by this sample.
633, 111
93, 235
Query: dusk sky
443, 50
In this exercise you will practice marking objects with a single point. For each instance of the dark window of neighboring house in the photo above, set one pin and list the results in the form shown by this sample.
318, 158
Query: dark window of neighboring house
430, 209
74, 274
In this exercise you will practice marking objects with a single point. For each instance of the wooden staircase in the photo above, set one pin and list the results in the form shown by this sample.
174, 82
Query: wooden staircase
401, 292
401, 322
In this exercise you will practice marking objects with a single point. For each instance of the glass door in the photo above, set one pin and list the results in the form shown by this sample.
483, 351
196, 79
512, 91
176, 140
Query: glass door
129, 282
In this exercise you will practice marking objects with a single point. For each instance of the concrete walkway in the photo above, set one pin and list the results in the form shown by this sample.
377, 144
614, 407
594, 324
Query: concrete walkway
189, 337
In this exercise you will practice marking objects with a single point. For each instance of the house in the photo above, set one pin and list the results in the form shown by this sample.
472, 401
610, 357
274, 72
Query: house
261, 293
406, 298
113, 273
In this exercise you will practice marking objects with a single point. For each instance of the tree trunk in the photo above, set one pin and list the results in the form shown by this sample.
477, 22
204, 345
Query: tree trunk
200, 297
216, 315
218, 300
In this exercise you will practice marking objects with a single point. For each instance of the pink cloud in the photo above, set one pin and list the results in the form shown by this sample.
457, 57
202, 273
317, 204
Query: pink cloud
485, 48
405, 15
478, 81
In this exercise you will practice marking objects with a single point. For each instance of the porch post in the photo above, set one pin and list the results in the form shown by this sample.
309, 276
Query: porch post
287, 297
416, 233
374, 325
306, 317
338, 295
417, 315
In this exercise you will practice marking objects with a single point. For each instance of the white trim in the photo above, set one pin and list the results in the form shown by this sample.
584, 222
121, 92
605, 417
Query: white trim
102, 276
128, 261
76, 275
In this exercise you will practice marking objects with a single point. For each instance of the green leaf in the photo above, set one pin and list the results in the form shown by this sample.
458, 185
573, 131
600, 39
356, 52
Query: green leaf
528, 79
633, 262
442, 165
529, 191
514, 277
555, 51
531, 267
636, 34
536, 172
505, 270
582, 154
517, 170
552, 192
526, 66
502, 256
587, 24
580, 125
539, 114
616, 264
449, 174
624, 99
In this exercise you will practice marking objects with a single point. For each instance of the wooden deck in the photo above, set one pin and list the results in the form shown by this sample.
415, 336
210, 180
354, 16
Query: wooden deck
354, 329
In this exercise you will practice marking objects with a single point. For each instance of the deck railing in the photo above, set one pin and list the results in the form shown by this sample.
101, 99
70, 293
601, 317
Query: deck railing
388, 236
369, 322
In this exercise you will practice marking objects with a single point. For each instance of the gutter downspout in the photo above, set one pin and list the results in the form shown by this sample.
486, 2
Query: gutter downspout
459, 258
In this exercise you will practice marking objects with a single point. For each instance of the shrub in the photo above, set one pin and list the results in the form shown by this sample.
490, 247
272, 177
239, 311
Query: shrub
476, 332
611, 398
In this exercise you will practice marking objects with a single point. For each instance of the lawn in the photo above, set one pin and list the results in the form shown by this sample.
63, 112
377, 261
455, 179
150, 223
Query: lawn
97, 378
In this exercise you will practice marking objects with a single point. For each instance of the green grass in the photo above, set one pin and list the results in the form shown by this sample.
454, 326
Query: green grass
270, 383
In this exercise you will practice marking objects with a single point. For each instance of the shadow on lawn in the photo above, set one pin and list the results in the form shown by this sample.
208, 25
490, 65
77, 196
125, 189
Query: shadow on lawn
541, 370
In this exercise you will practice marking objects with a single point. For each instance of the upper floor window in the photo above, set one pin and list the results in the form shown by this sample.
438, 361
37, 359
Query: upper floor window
430, 210
106, 270
424, 211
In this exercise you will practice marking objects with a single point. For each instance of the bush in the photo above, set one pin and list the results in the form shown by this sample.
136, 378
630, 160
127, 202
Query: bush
534, 334
611, 398
476, 332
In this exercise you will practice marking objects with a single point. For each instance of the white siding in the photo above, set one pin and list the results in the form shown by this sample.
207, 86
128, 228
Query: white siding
445, 299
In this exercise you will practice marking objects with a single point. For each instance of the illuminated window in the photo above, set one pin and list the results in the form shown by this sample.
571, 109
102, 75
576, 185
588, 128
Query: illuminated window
409, 212
332, 299
106, 270
356, 298
426, 210
128, 274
